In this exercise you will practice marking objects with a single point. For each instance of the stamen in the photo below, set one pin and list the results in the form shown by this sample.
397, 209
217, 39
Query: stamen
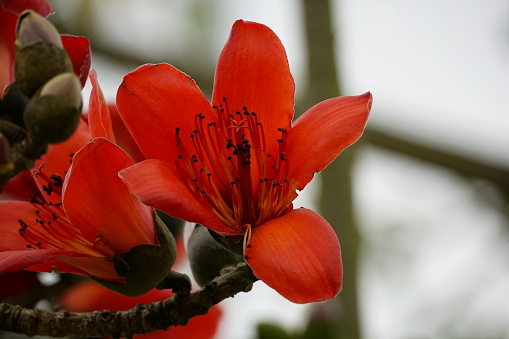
226, 167
246, 242
50, 228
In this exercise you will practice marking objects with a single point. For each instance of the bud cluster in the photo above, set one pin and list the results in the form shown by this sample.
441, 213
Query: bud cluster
43, 105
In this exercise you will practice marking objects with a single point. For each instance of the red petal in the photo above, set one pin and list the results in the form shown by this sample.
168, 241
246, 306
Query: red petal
17, 6
14, 255
78, 49
58, 159
12, 211
253, 71
153, 101
21, 187
99, 203
298, 255
322, 133
99, 267
124, 138
155, 183
58, 265
12, 261
99, 119
7, 38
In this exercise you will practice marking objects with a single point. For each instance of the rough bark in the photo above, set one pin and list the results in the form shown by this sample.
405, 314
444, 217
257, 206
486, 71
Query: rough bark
125, 324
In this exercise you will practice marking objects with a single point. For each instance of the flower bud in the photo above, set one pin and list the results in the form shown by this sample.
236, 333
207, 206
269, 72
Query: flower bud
39, 53
33, 28
207, 257
144, 266
65, 85
54, 114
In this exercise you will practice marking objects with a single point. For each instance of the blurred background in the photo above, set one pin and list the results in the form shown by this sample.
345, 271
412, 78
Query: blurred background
420, 204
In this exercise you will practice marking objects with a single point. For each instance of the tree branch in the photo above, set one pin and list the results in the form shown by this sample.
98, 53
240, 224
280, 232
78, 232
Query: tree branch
141, 319
460, 164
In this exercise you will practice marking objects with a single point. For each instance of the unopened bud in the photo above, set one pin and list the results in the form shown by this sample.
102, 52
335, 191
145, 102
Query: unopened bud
144, 266
66, 85
53, 116
39, 53
207, 257
33, 28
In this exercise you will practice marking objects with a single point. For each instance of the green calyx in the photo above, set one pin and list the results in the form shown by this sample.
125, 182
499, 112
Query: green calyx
36, 64
144, 266
207, 257
54, 113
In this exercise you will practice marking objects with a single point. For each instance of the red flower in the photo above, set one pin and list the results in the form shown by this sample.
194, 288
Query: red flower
82, 214
234, 165
89, 296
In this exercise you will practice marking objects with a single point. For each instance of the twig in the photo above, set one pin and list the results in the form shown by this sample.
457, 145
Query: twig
141, 319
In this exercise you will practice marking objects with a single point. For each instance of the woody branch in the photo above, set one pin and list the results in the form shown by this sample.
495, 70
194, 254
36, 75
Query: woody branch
141, 319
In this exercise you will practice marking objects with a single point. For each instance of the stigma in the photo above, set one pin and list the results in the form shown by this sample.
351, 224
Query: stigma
225, 164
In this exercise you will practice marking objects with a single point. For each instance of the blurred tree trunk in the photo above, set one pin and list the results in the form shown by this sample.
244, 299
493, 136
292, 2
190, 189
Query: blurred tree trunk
336, 197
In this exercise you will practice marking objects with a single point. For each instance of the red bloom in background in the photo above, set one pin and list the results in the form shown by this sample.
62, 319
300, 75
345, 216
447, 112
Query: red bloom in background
89, 296
82, 214
78, 48
17, 284
234, 165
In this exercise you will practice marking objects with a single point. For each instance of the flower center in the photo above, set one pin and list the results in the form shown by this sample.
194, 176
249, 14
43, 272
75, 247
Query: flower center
50, 228
227, 168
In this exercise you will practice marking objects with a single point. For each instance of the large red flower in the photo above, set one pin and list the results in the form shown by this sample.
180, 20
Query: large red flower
82, 214
234, 165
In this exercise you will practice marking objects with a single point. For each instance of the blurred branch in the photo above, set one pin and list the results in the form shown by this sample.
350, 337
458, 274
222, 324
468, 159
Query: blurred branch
141, 319
131, 62
81, 22
336, 203
460, 164
322, 79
